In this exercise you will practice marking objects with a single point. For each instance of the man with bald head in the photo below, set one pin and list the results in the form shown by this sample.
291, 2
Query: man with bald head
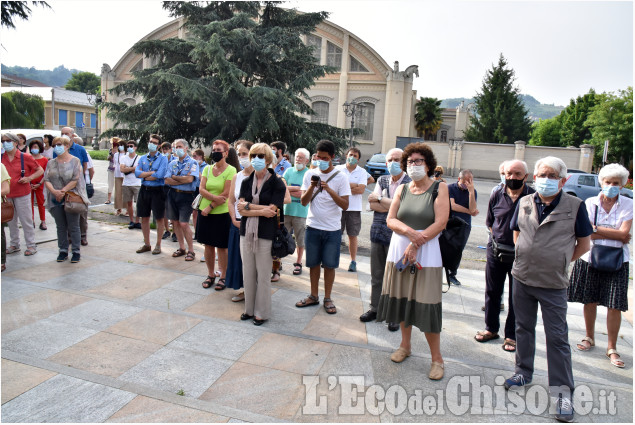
500, 257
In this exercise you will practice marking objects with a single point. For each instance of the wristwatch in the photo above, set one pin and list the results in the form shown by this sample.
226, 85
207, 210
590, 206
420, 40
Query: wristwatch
379, 198
595, 229
247, 206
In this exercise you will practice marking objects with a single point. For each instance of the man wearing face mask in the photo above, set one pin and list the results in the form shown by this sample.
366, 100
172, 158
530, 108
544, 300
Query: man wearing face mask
352, 217
131, 183
551, 229
501, 172
295, 213
278, 148
463, 203
380, 234
500, 256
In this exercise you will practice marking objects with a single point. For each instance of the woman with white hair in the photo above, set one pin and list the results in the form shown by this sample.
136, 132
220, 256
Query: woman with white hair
611, 215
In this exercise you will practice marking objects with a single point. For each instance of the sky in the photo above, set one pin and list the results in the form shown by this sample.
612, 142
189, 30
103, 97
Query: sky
558, 49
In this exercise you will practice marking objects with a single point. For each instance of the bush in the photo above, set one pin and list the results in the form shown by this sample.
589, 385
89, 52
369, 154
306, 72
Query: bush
98, 155
629, 184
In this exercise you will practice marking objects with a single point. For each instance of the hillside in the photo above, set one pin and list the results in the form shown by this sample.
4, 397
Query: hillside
536, 109
54, 78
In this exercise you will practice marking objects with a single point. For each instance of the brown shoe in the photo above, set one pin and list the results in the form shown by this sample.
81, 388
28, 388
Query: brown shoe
156, 250
400, 355
436, 371
144, 248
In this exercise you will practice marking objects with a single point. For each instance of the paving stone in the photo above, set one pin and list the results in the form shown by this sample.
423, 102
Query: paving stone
218, 304
285, 315
90, 277
149, 410
106, 354
168, 298
18, 378
189, 283
96, 314
345, 360
173, 370
332, 327
154, 326
44, 338
218, 340
134, 285
66, 399
49, 270
18, 288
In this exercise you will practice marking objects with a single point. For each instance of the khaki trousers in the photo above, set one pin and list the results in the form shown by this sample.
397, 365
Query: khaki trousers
257, 278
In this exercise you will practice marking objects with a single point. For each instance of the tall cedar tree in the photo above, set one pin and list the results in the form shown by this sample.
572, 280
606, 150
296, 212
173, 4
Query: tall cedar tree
241, 73
501, 116
575, 131
428, 117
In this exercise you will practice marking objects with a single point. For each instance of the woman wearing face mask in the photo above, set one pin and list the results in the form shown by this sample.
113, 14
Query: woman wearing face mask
64, 175
37, 185
114, 148
119, 152
411, 295
214, 222
47, 140
592, 287
261, 196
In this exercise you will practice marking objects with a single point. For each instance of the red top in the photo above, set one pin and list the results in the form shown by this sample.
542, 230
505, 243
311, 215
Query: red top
42, 163
13, 168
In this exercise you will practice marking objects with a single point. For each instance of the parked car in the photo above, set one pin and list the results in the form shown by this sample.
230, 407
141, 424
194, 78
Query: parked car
586, 185
376, 165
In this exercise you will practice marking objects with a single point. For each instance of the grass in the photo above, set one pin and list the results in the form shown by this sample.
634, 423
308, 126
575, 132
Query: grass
98, 155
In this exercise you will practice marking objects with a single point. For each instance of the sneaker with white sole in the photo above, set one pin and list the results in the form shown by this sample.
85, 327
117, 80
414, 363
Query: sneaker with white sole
564, 409
517, 380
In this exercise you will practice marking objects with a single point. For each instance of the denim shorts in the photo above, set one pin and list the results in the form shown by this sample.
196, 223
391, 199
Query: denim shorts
179, 206
322, 248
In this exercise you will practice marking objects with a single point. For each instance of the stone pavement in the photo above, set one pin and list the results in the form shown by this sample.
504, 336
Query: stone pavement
126, 337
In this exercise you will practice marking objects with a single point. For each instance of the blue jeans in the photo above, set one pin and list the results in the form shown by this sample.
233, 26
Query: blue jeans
322, 248
67, 224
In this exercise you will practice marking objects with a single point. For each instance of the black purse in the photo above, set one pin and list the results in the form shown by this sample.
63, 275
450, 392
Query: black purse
283, 243
503, 252
605, 258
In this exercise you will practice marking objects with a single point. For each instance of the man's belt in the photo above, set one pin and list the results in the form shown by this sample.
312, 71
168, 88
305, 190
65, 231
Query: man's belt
183, 191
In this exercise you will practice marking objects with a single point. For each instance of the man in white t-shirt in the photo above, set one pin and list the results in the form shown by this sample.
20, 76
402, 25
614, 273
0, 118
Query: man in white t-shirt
131, 183
352, 217
327, 190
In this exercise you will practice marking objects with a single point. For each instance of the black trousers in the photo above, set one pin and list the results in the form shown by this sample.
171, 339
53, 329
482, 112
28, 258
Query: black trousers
467, 236
495, 274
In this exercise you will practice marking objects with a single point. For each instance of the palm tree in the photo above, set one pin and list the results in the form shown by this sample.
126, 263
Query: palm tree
428, 116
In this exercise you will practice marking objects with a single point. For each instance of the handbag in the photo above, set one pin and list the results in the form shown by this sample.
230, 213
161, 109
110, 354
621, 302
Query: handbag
503, 252
7, 210
90, 190
196, 202
283, 243
605, 258
73, 203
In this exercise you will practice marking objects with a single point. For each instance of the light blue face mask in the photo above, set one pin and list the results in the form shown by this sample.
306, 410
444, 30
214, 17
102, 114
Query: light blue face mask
8, 146
35, 151
546, 187
152, 147
351, 160
394, 168
180, 153
503, 178
130, 150
611, 191
315, 163
59, 149
258, 163
324, 165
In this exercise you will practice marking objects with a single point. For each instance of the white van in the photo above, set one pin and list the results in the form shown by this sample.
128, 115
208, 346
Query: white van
33, 134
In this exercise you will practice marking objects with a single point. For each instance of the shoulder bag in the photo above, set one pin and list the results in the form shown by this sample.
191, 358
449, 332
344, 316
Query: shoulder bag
503, 252
605, 258
73, 203
7, 210
283, 243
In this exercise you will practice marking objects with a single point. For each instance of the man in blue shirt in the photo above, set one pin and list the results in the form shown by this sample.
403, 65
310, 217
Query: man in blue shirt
463, 204
283, 165
182, 178
151, 170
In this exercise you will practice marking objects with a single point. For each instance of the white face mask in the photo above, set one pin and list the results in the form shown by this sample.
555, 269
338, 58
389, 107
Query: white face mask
245, 162
417, 172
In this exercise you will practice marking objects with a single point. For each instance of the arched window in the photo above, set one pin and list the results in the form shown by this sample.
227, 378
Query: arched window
333, 56
444, 136
356, 66
315, 42
366, 120
321, 110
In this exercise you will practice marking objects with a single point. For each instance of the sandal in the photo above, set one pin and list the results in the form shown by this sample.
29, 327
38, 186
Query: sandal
207, 283
400, 355
220, 285
329, 306
178, 253
275, 276
13, 249
509, 343
297, 268
30, 251
308, 301
436, 371
583, 347
190, 256
43, 226
156, 250
615, 362
485, 336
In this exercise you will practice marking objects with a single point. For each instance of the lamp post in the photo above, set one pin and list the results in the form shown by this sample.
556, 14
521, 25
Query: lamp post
98, 98
352, 109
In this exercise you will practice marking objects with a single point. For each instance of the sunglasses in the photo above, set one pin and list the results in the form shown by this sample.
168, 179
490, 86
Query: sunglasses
259, 155
131, 146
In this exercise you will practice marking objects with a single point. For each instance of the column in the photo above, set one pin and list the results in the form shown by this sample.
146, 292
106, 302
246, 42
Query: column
586, 157
519, 152
343, 90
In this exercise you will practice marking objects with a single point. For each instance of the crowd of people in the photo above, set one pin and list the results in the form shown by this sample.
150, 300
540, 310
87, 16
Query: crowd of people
239, 202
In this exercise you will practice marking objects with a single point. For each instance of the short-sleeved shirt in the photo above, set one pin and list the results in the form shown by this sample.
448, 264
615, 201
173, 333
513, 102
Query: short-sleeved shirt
500, 211
187, 167
294, 177
282, 166
14, 168
461, 197
215, 185
77, 151
357, 176
157, 163
583, 226
622, 211
5, 174
324, 214
116, 160
130, 179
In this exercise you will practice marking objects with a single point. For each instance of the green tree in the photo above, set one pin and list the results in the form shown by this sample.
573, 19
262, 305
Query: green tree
546, 132
501, 116
574, 131
18, 9
21, 110
243, 72
612, 119
85, 82
428, 118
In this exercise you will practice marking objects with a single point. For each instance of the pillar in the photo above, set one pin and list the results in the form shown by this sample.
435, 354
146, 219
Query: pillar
343, 90
519, 152
586, 158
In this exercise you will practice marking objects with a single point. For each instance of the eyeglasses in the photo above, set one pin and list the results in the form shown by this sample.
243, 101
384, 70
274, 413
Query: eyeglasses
259, 155
418, 161
7, 140
548, 176
57, 144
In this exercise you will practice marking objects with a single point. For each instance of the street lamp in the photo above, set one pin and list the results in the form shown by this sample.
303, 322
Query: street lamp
98, 98
352, 109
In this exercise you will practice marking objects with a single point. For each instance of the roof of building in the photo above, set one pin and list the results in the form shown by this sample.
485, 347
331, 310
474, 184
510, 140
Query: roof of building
26, 82
61, 95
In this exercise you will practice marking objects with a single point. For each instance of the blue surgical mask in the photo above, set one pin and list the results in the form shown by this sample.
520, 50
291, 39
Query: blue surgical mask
8, 146
180, 153
324, 165
258, 163
130, 150
315, 163
611, 191
59, 149
35, 151
152, 147
351, 160
394, 168
120, 148
546, 187
503, 178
